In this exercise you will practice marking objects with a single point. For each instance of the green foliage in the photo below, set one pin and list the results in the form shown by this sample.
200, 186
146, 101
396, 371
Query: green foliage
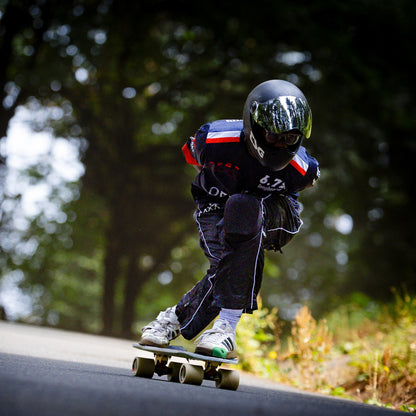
254, 339
75, 274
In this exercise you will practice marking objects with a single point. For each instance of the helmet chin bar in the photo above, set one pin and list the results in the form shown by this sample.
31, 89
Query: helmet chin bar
275, 159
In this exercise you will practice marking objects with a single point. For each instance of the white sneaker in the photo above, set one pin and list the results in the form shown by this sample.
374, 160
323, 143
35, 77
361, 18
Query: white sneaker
218, 342
162, 330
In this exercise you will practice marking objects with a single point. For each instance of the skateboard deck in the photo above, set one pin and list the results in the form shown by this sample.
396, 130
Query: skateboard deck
185, 372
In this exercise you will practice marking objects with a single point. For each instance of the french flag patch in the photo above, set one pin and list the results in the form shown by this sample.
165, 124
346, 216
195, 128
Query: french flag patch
299, 164
232, 136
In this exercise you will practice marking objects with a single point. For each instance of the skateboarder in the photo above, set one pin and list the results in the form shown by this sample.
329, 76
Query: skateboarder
246, 192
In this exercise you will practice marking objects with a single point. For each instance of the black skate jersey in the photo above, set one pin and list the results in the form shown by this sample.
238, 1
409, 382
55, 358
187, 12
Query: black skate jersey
226, 167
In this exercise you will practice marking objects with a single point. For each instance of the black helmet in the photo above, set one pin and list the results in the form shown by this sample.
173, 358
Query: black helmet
272, 108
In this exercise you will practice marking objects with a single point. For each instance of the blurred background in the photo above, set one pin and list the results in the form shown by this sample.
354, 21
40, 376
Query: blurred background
98, 97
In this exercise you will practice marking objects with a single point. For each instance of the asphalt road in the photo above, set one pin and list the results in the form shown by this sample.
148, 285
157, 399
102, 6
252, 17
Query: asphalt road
51, 372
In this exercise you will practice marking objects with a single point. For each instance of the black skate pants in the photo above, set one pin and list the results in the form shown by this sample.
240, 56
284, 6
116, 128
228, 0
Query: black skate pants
234, 237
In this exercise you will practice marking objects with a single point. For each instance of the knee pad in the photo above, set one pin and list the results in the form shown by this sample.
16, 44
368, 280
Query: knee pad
242, 217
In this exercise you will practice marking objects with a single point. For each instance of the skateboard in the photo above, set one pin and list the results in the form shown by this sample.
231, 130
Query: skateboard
185, 372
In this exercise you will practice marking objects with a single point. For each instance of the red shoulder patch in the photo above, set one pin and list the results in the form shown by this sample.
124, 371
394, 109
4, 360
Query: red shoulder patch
188, 155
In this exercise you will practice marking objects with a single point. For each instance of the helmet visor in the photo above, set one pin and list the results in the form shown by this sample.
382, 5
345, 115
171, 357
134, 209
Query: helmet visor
283, 114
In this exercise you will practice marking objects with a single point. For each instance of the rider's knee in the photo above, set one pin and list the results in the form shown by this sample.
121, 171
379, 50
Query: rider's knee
242, 217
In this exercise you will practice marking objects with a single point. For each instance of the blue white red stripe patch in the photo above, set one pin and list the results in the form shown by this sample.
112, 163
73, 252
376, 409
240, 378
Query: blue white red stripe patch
232, 136
299, 164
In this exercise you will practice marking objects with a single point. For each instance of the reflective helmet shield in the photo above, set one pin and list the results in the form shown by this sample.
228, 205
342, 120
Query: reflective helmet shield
283, 114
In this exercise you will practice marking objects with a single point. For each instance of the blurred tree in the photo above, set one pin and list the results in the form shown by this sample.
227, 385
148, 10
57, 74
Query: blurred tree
131, 178
367, 143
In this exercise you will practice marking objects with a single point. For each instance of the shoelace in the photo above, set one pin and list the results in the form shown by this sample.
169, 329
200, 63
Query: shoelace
161, 324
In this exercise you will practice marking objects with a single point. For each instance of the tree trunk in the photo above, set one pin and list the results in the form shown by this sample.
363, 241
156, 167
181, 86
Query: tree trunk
111, 274
132, 287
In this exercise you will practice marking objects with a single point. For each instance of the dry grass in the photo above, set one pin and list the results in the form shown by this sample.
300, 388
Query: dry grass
372, 360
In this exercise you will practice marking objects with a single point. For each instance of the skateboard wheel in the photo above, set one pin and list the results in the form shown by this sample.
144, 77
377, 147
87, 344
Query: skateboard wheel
227, 379
191, 374
143, 367
175, 369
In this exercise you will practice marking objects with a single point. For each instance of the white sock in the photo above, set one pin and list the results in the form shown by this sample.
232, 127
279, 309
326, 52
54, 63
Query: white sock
232, 316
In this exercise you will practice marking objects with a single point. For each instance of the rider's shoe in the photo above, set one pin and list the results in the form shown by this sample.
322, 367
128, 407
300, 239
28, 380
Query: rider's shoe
219, 341
162, 330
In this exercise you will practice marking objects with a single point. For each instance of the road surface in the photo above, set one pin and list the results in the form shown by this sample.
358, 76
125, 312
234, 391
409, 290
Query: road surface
45, 372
